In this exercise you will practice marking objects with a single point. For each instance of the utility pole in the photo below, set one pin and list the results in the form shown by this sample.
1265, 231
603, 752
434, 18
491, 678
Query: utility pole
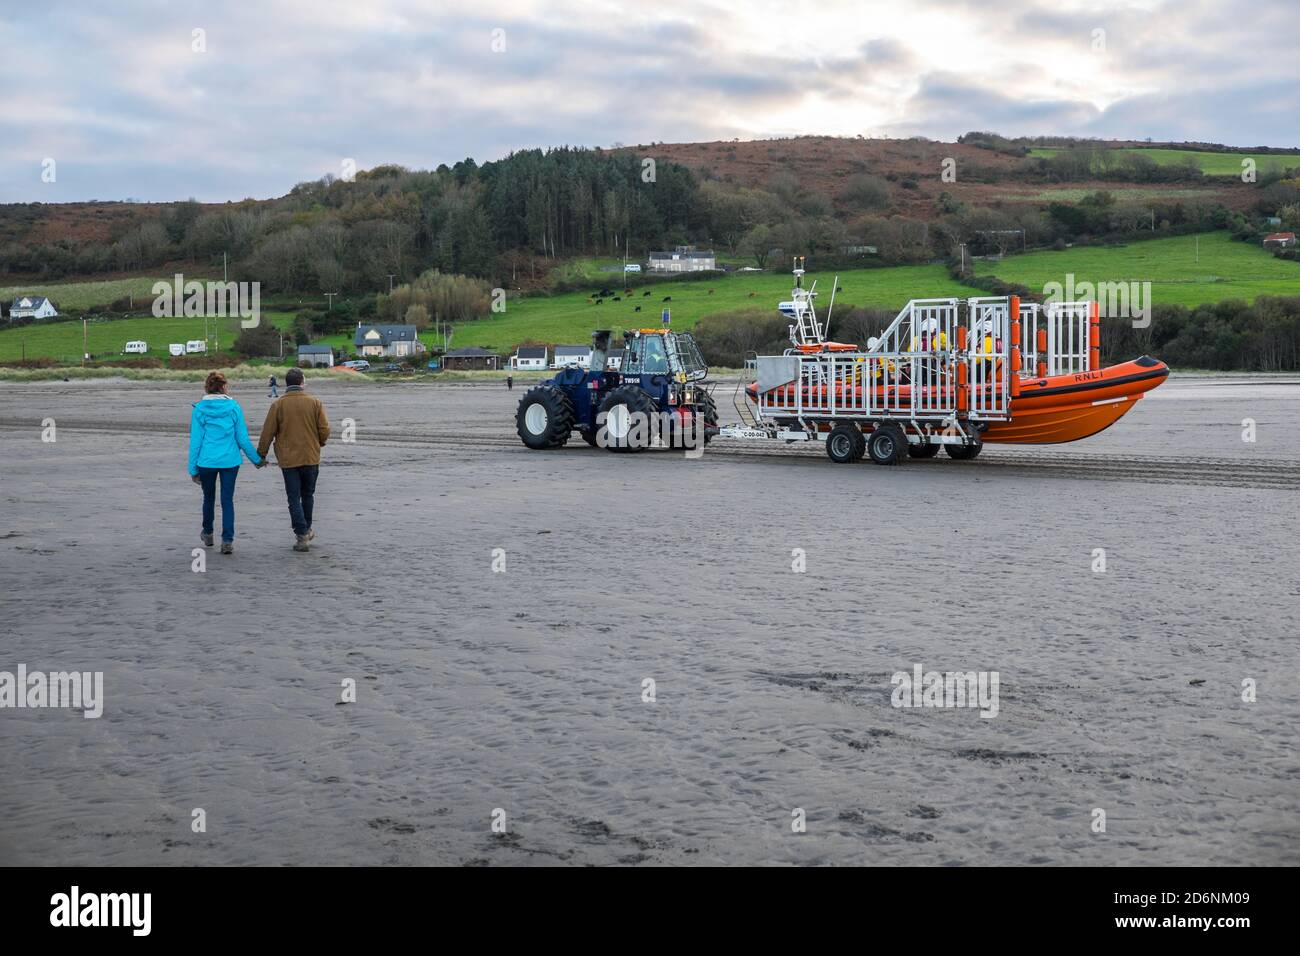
390, 282
1198, 250
963, 258
330, 296
225, 277
85, 348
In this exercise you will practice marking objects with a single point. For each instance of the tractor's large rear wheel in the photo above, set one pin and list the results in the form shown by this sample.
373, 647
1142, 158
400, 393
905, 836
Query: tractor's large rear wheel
544, 418
629, 419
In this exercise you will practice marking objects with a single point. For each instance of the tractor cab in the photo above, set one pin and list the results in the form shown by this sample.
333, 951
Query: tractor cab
665, 364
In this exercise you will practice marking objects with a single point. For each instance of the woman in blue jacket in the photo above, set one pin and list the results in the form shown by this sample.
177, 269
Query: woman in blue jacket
217, 435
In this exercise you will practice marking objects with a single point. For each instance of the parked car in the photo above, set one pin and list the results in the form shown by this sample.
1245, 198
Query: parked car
176, 348
358, 365
392, 367
631, 267
136, 347
433, 365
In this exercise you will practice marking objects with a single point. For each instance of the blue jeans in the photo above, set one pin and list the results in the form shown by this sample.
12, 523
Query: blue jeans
208, 479
299, 488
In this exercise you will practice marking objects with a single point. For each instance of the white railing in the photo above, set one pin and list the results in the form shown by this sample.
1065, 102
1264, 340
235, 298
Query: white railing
1067, 337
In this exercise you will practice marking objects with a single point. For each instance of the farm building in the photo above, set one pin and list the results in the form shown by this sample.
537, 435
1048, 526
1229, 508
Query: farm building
32, 307
1279, 240
391, 341
529, 358
579, 355
317, 356
471, 358
683, 259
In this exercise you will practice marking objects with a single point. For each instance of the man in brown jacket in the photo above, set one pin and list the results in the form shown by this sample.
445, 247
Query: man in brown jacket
298, 426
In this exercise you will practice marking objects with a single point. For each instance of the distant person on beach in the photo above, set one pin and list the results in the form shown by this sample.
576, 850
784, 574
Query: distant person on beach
297, 424
510, 383
275, 391
217, 435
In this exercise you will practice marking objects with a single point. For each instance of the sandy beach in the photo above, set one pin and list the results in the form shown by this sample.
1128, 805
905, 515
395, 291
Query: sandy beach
523, 690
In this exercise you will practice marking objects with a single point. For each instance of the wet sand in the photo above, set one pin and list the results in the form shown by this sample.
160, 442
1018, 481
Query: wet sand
523, 690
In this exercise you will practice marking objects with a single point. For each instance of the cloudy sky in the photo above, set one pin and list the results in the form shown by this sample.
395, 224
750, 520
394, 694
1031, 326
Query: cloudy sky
165, 99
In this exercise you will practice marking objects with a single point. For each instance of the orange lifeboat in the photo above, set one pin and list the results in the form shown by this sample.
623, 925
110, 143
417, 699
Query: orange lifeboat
1048, 410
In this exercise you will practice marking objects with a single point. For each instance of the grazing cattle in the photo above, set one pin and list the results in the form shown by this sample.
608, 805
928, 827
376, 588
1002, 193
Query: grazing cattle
645, 293
618, 298
752, 294
637, 309
668, 298
627, 291
600, 301
710, 292
839, 288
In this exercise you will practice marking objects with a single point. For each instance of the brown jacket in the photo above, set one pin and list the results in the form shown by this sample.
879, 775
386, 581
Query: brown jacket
298, 426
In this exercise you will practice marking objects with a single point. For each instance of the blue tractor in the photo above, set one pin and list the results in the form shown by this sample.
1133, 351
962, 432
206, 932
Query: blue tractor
657, 395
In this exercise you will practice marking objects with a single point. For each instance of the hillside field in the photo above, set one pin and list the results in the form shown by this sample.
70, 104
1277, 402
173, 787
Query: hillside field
1212, 164
1226, 269
62, 340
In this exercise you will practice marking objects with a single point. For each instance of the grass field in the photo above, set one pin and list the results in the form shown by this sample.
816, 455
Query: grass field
1226, 269
62, 340
1212, 164
84, 295
568, 319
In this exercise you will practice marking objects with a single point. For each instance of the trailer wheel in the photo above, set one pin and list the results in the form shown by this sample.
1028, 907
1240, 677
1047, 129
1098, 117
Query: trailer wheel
964, 452
845, 444
629, 415
544, 418
887, 445
922, 451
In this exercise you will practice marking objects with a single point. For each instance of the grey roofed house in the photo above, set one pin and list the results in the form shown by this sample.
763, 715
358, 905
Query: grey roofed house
472, 351
388, 334
315, 350
532, 352
575, 351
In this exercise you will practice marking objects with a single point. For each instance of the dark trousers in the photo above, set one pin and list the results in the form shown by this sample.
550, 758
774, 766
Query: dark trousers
300, 487
208, 479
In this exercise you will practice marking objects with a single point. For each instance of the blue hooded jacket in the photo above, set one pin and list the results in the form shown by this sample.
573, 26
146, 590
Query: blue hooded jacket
217, 433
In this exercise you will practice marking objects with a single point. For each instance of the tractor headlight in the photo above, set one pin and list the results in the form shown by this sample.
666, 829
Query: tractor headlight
688, 395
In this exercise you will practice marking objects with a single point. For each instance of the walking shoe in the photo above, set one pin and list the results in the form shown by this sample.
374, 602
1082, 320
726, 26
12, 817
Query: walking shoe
206, 539
227, 547
300, 543
311, 535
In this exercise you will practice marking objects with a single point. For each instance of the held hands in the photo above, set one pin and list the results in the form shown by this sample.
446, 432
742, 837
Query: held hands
261, 464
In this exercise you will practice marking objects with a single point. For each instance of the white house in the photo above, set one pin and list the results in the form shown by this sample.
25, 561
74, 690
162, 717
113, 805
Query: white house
579, 355
529, 358
32, 307
614, 360
683, 259
393, 341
